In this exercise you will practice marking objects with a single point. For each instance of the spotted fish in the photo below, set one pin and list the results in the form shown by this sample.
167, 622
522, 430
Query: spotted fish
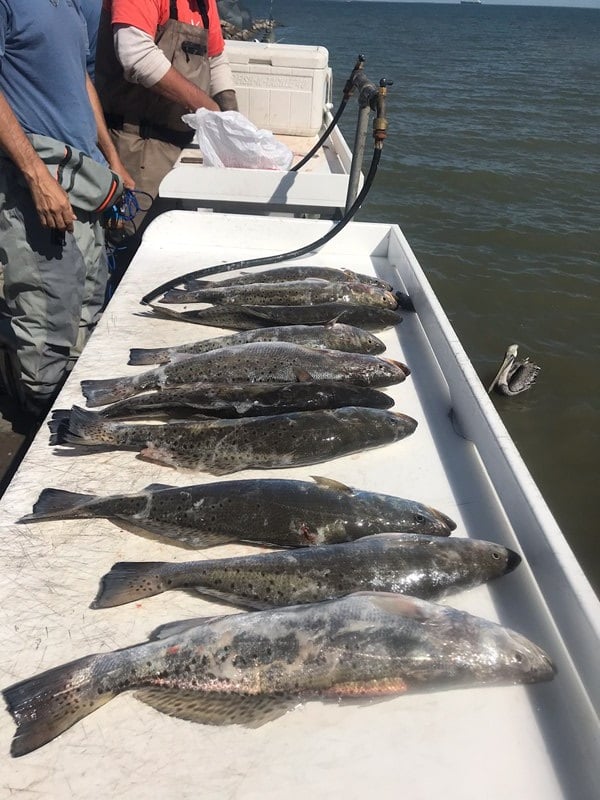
297, 273
294, 293
260, 362
243, 318
410, 563
284, 513
335, 336
223, 446
250, 668
232, 401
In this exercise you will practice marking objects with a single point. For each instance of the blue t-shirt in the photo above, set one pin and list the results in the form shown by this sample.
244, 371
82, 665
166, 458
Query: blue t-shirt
43, 49
91, 11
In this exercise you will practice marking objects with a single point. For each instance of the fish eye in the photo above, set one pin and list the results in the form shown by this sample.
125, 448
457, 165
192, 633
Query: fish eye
495, 555
420, 518
518, 657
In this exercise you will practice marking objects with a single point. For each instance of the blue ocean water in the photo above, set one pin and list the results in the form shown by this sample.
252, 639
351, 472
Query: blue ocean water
492, 169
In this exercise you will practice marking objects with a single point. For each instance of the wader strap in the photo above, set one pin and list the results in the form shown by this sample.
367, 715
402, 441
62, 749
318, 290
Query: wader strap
201, 10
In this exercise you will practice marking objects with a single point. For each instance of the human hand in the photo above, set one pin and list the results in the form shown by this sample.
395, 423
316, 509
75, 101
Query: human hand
52, 202
118, 167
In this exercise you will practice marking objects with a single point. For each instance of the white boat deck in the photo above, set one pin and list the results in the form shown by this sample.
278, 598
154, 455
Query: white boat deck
540, 742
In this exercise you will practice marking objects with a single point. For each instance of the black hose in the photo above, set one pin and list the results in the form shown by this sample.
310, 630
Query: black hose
255, 262
323, 138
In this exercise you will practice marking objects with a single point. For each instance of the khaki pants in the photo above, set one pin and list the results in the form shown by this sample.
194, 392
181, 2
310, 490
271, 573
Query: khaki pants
53, 294
148, 161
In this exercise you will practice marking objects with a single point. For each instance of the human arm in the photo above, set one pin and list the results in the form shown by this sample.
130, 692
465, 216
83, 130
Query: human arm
105, 143
50, 199
222, 87
144, 63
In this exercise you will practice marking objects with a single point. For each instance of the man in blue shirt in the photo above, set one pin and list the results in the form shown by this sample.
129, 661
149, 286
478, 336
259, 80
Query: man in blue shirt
53, 289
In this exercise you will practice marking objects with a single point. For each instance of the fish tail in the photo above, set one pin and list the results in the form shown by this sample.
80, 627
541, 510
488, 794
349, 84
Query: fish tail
101, 392
128, 581
59, 426
140, 355
82, 427
49, 703
58, 504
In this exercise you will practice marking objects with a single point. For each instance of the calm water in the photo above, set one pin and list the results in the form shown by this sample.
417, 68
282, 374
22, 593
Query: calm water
492, 169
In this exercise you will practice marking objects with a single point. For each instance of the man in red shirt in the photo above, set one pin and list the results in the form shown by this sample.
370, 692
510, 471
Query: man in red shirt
157, 60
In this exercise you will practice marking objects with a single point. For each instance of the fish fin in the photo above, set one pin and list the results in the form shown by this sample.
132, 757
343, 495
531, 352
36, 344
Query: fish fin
139, 356
158, 455
303, 376
55, 503
403, 605
59, 426
83, 427
166, 313
102, 392
128, 581
374, 688
334, 321
190, 538
179, 627
49, 703
330, 483
232, 599
214, 708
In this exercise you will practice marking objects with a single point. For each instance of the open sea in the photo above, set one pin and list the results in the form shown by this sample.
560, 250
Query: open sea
492, 169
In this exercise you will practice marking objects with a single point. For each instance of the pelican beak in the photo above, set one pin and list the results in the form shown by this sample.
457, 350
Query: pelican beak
509, 358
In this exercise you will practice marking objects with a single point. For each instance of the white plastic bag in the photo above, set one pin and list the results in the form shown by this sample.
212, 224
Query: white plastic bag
229, 139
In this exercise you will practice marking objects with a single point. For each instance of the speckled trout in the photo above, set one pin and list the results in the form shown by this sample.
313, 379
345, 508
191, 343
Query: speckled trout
232, 401
221, 446
297, 273
260, 362
335, 336
243, 318
252, 667
284, 513
293, 293
409, 563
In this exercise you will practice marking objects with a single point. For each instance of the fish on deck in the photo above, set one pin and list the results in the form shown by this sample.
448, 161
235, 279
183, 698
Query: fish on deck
233, 401
248, 317
259, 362
423, 566
309, 292
223, 446
252, 667
334, 336
279, 512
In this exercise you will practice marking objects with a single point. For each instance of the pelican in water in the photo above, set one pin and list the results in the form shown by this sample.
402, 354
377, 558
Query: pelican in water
514, 376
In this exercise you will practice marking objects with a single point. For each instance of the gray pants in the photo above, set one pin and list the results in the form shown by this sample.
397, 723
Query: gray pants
53, 294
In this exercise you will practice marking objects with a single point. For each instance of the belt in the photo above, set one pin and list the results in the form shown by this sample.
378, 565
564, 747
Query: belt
148, 130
